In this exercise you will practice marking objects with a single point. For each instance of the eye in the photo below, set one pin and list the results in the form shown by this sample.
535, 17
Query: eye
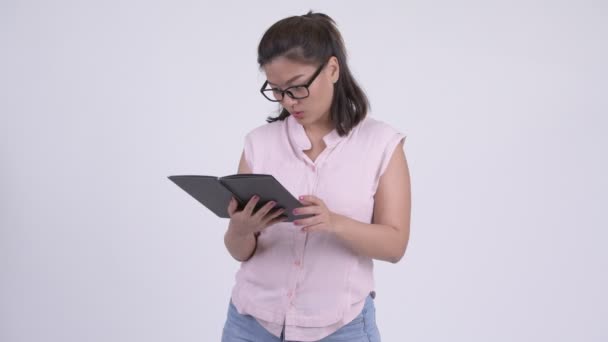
298, 92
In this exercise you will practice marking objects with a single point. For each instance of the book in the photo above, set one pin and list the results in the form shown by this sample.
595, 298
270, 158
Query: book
215, 192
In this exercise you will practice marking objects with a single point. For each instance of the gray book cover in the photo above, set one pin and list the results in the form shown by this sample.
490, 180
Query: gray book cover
215, 192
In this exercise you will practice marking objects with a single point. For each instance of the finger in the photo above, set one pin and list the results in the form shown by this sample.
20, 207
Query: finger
309, 221
274, 214
303, 200
313, 209
314, 228
251, 204
310, 199
265, 209
232, 205
276, 220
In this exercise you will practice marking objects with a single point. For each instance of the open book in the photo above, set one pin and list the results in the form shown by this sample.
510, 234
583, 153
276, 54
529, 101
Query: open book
215, 192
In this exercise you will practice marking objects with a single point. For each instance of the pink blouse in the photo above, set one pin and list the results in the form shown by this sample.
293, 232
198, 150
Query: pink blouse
313, 283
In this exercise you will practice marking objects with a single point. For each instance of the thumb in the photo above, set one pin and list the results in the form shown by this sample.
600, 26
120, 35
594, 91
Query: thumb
232, 206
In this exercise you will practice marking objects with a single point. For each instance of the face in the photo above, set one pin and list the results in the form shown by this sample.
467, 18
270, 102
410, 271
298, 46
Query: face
314, 109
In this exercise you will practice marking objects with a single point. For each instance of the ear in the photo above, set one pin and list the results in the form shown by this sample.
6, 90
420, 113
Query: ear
334, 69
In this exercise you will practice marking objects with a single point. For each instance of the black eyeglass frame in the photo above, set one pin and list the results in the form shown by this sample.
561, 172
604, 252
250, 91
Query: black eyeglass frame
286, 90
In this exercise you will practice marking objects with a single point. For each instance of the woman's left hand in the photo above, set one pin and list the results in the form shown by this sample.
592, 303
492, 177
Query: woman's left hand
324, 219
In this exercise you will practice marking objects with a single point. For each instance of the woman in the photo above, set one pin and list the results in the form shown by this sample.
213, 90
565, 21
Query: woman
312, 280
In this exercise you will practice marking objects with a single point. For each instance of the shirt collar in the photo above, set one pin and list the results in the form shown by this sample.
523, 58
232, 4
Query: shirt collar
298, 136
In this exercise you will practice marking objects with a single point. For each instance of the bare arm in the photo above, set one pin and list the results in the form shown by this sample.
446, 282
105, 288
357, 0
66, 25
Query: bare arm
240, 247
386, 238
245, 225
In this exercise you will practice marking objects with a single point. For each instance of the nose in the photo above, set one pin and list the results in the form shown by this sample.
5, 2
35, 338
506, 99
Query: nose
288, 102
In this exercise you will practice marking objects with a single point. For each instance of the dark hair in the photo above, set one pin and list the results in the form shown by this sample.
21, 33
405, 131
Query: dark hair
313, 38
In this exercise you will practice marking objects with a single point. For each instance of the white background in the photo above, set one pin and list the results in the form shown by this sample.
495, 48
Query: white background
504, 104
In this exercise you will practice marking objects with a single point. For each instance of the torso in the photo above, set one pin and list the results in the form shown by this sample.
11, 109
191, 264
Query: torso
313, 154
327, 281
316, 150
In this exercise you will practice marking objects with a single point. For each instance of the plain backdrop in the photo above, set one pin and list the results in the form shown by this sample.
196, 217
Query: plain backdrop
504, 103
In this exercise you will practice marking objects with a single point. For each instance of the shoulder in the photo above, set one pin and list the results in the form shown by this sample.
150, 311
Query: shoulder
377, 130
259, 140
266, 131
378, 141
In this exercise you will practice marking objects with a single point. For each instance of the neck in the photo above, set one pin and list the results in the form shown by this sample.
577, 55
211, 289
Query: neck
319, 129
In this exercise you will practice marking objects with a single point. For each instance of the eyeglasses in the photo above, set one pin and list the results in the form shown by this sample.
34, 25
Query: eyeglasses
295, 92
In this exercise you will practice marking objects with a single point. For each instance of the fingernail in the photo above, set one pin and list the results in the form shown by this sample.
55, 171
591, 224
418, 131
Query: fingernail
272, 203
295, 211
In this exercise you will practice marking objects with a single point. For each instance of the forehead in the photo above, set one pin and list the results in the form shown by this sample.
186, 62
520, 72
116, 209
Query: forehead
281, 70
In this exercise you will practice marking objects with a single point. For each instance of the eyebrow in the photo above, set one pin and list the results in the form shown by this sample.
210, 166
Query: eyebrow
289, 81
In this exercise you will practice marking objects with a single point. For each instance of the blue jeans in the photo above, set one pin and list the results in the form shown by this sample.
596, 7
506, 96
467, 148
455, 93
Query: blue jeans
244, 328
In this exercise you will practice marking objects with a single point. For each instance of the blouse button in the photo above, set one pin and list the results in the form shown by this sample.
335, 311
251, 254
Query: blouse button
297, 263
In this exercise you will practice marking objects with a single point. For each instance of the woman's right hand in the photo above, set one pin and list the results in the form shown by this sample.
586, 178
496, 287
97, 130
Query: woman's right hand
246, 222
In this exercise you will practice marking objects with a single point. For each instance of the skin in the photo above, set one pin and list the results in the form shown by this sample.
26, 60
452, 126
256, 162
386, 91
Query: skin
386, 238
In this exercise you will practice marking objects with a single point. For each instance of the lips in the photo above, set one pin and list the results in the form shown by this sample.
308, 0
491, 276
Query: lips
298, 114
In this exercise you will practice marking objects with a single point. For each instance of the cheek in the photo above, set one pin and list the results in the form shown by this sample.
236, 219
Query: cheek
323, 96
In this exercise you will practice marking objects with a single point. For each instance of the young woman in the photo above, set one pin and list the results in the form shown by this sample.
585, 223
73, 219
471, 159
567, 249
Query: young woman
312, 280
